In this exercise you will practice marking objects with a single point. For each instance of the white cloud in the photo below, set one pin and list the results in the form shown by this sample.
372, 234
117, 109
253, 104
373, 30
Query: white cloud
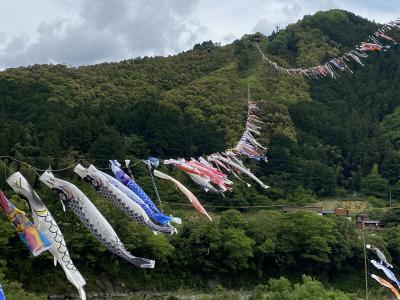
108, 30
88, 31
283, 12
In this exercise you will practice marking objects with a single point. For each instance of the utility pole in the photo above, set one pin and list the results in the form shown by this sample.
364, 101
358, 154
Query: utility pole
390, 194
365, 264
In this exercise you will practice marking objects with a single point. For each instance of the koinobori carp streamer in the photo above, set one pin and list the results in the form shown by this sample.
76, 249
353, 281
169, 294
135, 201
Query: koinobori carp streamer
104, 187
208, 177
389, 274
329, 68
209, 173
380, 255
150, 208
27, 231
46, 224
2, 296
192, 198
386, 284
92, 219
239, 167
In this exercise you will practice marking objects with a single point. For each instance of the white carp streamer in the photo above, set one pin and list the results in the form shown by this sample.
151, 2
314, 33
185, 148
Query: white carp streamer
45, 222
238, 167
102, 183
92, 218
380, 255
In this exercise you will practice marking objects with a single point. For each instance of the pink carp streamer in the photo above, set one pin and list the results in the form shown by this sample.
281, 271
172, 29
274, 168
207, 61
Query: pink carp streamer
27, 231
205, 175
192, 198
330, 68
206, 171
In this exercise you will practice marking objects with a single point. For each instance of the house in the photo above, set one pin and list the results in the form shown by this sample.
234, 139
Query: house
363, 222
362, 217
341, 212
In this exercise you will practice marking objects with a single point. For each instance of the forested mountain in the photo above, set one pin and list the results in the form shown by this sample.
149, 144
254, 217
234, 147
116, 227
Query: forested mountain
326, 138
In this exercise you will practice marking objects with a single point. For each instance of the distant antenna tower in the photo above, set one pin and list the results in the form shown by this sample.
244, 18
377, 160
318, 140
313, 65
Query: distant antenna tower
277, 28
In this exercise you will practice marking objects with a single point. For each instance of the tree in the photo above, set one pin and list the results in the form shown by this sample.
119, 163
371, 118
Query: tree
108, 145
309, 289
235, 249
374, 184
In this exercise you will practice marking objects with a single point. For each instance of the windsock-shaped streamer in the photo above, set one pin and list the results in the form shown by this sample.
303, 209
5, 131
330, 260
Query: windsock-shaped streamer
380, 255
386, 284
103, 184
192, 198
2, 296
149, 207
46, 224
27, 231
91, 218
389, 274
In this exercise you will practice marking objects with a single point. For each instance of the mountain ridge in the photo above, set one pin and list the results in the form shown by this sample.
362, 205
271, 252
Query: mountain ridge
326, 139
190, 93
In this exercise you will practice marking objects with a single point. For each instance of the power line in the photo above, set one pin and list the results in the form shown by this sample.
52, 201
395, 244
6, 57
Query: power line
275, 206
226, 206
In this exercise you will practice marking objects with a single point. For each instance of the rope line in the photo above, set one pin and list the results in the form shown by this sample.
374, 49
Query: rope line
155, 187
70, 166
7, 168
332, 67
34, 168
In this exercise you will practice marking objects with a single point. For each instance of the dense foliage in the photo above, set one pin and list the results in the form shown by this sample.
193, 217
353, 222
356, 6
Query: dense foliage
326, 138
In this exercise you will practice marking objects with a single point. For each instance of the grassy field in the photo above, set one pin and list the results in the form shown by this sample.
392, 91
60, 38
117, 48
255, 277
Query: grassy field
350, 204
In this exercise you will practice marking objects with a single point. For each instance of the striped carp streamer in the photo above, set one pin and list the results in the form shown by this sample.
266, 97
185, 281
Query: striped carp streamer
27, 231
148, 205
46, 224
192, 198
330, 68
386, 284
389, 274
92, 218
103, 184
380, 255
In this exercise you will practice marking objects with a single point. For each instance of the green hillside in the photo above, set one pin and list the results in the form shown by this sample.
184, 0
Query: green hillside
326, 138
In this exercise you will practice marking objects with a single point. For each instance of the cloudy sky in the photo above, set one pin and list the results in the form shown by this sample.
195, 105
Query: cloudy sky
81, 32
